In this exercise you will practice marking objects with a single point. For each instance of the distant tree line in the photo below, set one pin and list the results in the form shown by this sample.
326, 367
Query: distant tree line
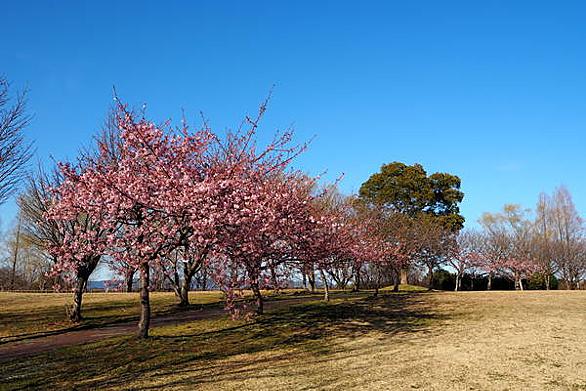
545, 249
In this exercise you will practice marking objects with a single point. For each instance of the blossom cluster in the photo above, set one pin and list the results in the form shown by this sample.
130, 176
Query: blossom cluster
239, 207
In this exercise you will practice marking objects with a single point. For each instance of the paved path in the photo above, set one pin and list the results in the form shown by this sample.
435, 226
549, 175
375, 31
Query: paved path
12, 350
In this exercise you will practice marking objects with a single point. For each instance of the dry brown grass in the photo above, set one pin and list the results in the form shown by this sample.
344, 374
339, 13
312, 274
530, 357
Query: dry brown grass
471, 341
23, 314
426, 341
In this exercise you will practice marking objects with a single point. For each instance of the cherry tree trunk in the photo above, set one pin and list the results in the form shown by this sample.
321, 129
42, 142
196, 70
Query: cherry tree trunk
145, 305
547, 281
82, 276
184, 294
80, 284
129, 281
457, 288
326, 286
259, 299
404, 276
356, 280
397, 278
311, 279
202, 280
188, 273
430, 279
489, 286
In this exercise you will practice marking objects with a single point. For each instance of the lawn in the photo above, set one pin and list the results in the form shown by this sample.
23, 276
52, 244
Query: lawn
411, 340
26, 314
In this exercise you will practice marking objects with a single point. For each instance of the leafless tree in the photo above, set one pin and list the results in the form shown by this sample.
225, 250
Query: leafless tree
36, 201
23, 266
467, 257
568, 242
508, 250
15, 151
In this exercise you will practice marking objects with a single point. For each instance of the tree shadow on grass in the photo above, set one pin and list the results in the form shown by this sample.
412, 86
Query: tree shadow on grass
101, 315
236, 352
300, 331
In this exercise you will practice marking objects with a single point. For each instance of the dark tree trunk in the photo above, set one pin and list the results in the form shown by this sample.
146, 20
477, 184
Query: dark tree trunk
15, 255
204, 280
13, 271
184, 296
311, 278
357, 280
377, 281
83, 275
189, 270
80, 285
145, 305
337, 280
397, 279
259, 299
129, 280
188, 273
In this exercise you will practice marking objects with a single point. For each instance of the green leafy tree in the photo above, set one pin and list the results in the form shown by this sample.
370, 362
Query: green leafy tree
409, 190
429, 202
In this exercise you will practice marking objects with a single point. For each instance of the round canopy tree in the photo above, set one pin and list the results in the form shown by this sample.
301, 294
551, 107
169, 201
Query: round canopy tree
400, 189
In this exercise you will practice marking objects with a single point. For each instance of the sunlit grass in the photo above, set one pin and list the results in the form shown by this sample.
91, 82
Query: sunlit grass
28, 313
431, 341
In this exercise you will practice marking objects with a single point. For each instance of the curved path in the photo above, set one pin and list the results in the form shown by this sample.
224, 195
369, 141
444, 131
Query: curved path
23, 348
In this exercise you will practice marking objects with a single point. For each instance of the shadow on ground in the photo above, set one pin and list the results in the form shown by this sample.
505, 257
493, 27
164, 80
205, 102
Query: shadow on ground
232, 351
106, 314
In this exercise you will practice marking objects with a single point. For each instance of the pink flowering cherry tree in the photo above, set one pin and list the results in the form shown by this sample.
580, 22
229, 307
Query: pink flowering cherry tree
141, 196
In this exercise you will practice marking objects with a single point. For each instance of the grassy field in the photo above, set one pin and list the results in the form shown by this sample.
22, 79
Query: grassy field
26, 314
428, 341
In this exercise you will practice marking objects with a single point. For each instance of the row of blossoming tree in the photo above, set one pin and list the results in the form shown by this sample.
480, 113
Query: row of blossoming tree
172, 204
173, 201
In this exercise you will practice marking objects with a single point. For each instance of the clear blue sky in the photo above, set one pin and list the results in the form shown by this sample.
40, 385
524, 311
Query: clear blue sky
492, 91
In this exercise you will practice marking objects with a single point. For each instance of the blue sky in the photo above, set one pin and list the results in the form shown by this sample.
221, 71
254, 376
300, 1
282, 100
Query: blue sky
492, 91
